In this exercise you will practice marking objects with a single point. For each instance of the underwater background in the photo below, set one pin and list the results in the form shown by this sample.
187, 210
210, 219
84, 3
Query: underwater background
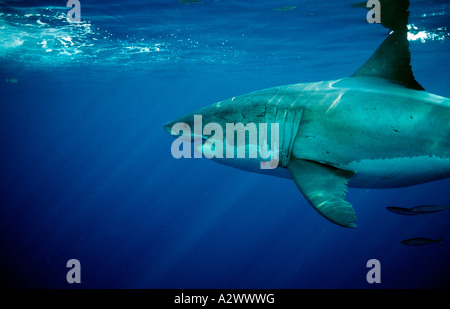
86, 170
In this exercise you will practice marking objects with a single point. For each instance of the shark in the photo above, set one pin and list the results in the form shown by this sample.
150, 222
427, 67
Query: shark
377, 128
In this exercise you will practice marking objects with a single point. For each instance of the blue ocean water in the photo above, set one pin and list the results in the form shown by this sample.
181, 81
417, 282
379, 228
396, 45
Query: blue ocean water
86, 170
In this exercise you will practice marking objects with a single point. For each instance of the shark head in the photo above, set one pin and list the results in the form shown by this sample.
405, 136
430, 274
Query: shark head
232, 111
234, 132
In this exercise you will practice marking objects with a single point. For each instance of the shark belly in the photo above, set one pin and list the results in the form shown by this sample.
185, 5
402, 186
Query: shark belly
398, 172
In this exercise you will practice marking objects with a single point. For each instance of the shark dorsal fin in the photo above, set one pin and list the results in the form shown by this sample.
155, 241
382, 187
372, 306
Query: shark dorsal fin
391, 61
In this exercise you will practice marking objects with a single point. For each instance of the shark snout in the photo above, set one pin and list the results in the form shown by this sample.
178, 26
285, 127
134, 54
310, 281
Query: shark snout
168, 126
184, 125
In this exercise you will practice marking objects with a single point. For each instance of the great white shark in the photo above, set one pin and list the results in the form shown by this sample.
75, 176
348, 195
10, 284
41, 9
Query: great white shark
377, 128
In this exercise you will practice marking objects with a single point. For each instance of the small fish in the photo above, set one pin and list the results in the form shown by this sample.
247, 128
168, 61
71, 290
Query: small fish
285, 8
420, 241
418, 210
401, 211
12, 80
428, 209
187, 2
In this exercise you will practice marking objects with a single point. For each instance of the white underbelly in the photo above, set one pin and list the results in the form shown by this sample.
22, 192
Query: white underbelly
397, 172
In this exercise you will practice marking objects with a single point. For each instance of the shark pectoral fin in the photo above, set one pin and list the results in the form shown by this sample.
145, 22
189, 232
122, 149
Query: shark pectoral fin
325, 188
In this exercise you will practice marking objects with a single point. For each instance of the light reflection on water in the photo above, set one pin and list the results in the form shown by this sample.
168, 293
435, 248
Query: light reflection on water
42, 36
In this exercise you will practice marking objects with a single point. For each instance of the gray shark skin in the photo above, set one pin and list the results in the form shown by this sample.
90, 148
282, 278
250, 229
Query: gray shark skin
375, 129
